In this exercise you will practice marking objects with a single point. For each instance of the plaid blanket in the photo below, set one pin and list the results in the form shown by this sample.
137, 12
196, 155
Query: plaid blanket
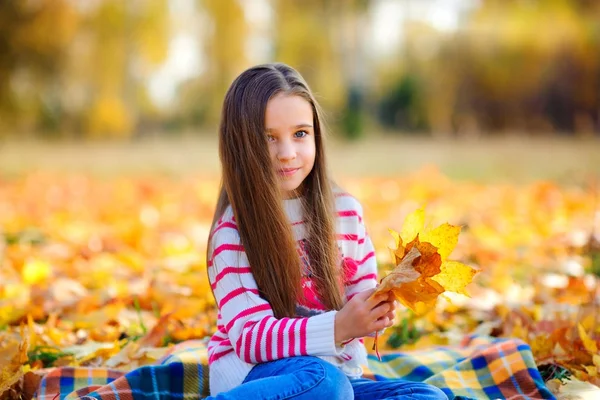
479, 368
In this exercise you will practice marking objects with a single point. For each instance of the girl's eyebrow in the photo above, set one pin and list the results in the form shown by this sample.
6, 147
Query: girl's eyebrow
295, 127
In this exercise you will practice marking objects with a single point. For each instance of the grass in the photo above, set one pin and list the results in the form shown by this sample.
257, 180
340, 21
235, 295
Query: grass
491, 159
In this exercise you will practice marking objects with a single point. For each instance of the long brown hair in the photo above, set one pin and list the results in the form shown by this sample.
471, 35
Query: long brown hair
250, 186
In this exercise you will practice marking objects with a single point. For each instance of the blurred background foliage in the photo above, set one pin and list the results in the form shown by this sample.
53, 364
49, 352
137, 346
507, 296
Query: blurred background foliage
445, 68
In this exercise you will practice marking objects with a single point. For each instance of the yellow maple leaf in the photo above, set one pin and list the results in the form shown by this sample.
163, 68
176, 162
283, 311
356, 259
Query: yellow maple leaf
589, 344
413, 224
399, 252
455, 276
444, 237
422, 270
542, 346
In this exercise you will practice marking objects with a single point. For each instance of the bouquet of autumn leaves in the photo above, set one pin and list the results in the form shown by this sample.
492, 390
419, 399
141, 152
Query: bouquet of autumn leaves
422, 270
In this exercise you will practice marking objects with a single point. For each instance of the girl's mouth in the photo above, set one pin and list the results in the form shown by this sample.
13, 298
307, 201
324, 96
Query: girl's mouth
287, 171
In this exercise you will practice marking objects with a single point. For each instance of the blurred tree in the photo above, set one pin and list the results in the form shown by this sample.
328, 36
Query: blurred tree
120, 43
430, 85
402, 108
352, 45
225, 48
78, 67
513, 66
34, 37
303, 39
531, 57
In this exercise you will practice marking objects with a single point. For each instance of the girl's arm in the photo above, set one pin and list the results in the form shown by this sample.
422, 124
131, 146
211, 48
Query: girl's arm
360, 265
255, 334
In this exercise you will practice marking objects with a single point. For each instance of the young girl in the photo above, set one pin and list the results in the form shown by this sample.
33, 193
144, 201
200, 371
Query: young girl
290, 264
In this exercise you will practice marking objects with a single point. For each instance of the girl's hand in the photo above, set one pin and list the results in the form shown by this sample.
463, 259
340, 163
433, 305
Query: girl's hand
363, 315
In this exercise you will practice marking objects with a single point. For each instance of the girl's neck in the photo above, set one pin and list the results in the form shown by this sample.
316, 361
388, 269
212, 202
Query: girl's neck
293, 209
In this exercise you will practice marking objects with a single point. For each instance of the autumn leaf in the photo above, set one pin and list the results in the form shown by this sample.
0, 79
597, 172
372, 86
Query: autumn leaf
455, 276
589, 344
444, 238
13, 350
399, 252
413, 224
422, 270
145, 350
403, 273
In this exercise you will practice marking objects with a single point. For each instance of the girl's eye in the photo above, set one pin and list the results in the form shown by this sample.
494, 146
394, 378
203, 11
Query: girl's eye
270, 138
300, 134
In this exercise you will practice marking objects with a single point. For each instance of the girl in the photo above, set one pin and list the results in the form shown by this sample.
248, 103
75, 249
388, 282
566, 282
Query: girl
289, 261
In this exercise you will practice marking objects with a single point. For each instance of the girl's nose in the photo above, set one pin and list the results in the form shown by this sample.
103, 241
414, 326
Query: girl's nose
286, 151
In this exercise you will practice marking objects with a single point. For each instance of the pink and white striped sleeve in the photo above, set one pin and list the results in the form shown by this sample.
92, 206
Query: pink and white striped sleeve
362, 259
255, 334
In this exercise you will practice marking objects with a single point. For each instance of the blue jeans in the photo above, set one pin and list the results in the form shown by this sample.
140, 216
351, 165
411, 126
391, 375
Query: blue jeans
307, 378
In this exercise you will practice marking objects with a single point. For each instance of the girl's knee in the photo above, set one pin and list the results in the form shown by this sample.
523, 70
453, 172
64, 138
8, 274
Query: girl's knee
429, 392
334, 385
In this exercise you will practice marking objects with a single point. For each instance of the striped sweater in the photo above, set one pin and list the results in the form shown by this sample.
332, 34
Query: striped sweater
247, 331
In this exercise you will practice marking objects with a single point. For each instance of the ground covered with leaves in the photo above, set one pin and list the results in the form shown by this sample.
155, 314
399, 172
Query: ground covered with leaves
111, 272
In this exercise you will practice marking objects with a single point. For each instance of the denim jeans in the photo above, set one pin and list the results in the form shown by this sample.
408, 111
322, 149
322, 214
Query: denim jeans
307, 378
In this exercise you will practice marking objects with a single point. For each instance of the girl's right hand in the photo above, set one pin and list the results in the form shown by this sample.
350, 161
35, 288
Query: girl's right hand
363, 315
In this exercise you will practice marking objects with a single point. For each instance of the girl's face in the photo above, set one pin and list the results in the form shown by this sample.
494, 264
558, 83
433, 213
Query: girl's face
291, 136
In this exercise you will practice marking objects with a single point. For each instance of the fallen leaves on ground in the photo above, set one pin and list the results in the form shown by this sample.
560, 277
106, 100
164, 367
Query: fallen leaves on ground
94, 270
